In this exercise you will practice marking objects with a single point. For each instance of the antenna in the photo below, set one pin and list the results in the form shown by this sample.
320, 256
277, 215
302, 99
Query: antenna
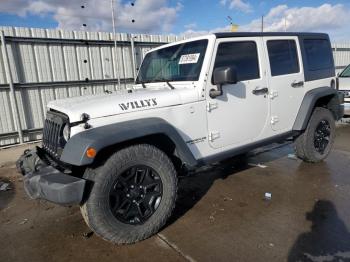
233, 27
262, 23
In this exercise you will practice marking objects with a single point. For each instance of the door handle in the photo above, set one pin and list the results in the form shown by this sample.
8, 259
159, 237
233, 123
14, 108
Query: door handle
297, 84
260, 90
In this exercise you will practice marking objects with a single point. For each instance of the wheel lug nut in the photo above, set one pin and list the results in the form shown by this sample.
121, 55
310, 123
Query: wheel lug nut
134, 201
142, 196
127, 195
132, 186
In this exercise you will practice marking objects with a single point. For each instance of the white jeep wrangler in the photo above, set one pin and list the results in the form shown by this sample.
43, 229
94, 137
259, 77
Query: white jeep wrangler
195, 102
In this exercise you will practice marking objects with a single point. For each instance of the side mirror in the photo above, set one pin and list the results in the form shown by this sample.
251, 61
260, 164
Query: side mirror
223, 76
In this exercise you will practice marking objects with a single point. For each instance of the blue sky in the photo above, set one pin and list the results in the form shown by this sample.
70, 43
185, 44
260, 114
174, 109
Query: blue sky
180, 16
215, 13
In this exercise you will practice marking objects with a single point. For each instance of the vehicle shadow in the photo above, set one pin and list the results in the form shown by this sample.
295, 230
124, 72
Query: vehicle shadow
194, 186
328, 240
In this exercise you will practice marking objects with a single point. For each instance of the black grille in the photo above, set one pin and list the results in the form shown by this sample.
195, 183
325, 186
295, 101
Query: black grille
52, 133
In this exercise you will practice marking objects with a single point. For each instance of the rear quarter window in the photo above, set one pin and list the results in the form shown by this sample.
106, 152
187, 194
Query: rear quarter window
318, 54
317, 57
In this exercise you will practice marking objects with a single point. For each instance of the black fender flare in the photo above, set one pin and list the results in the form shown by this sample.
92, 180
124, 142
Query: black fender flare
309, 102
74, 152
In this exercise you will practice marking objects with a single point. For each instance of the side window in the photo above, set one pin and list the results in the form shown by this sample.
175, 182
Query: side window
283, 57
318, 54
242, 55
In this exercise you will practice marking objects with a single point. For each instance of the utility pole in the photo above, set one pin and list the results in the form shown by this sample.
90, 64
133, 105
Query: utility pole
115, 43
262, 23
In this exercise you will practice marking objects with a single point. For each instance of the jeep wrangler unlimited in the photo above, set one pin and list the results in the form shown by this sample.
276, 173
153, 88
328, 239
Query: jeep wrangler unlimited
194, 102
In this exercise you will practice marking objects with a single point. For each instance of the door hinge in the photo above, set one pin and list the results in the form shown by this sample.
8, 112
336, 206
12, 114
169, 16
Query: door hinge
211, 106
214, 135
273, 94
274, 120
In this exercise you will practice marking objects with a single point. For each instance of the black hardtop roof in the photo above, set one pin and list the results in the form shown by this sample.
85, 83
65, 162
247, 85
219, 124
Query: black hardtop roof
252, 34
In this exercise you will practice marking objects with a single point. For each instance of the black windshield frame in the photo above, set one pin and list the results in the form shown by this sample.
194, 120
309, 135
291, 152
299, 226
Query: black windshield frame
169, 68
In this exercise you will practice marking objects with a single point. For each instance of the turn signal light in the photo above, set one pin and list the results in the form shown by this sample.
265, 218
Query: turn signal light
91, 152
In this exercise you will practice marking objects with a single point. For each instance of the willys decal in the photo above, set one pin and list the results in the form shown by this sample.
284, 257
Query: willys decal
138, 104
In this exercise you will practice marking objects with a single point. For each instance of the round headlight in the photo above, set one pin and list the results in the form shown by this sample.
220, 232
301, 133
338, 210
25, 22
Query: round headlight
66, 132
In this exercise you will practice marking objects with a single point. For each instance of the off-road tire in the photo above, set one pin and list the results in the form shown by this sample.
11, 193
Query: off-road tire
96, 210
304, 145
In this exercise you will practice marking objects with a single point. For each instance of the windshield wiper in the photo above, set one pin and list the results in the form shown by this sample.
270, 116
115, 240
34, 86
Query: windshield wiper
164, 80
156, 80
142, 83
170, 85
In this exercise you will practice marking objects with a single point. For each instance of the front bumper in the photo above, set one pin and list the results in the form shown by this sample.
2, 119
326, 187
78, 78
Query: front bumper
43, 181
345, 95
347, 108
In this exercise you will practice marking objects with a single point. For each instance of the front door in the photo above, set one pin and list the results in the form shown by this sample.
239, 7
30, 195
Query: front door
240, 115
286, 80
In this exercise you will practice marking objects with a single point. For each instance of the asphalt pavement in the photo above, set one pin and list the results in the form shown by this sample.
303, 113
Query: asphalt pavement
268, 206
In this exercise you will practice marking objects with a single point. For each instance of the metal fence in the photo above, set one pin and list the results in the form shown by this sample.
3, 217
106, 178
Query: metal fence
341, 54
40, 65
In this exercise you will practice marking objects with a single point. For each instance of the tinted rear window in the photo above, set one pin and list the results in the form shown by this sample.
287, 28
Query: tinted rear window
283, 57
318, 54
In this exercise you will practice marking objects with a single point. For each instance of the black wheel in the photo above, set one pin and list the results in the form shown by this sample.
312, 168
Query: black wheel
133, 194
316, 142
136, 194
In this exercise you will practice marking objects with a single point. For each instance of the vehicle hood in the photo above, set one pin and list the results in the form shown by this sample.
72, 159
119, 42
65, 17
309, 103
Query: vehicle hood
122, 102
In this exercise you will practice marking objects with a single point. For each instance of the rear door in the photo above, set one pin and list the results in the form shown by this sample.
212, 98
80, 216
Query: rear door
286, 80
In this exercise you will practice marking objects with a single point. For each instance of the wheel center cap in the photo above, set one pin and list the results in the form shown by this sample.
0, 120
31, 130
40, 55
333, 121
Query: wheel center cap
134, 192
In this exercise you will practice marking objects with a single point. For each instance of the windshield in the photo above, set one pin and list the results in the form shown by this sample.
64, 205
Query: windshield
182, 62
346, 72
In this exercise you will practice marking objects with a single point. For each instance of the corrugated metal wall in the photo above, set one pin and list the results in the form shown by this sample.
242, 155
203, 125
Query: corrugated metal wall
341, 53
50, 64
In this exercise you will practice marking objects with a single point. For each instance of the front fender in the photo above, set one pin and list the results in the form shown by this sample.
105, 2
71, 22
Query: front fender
74, 152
